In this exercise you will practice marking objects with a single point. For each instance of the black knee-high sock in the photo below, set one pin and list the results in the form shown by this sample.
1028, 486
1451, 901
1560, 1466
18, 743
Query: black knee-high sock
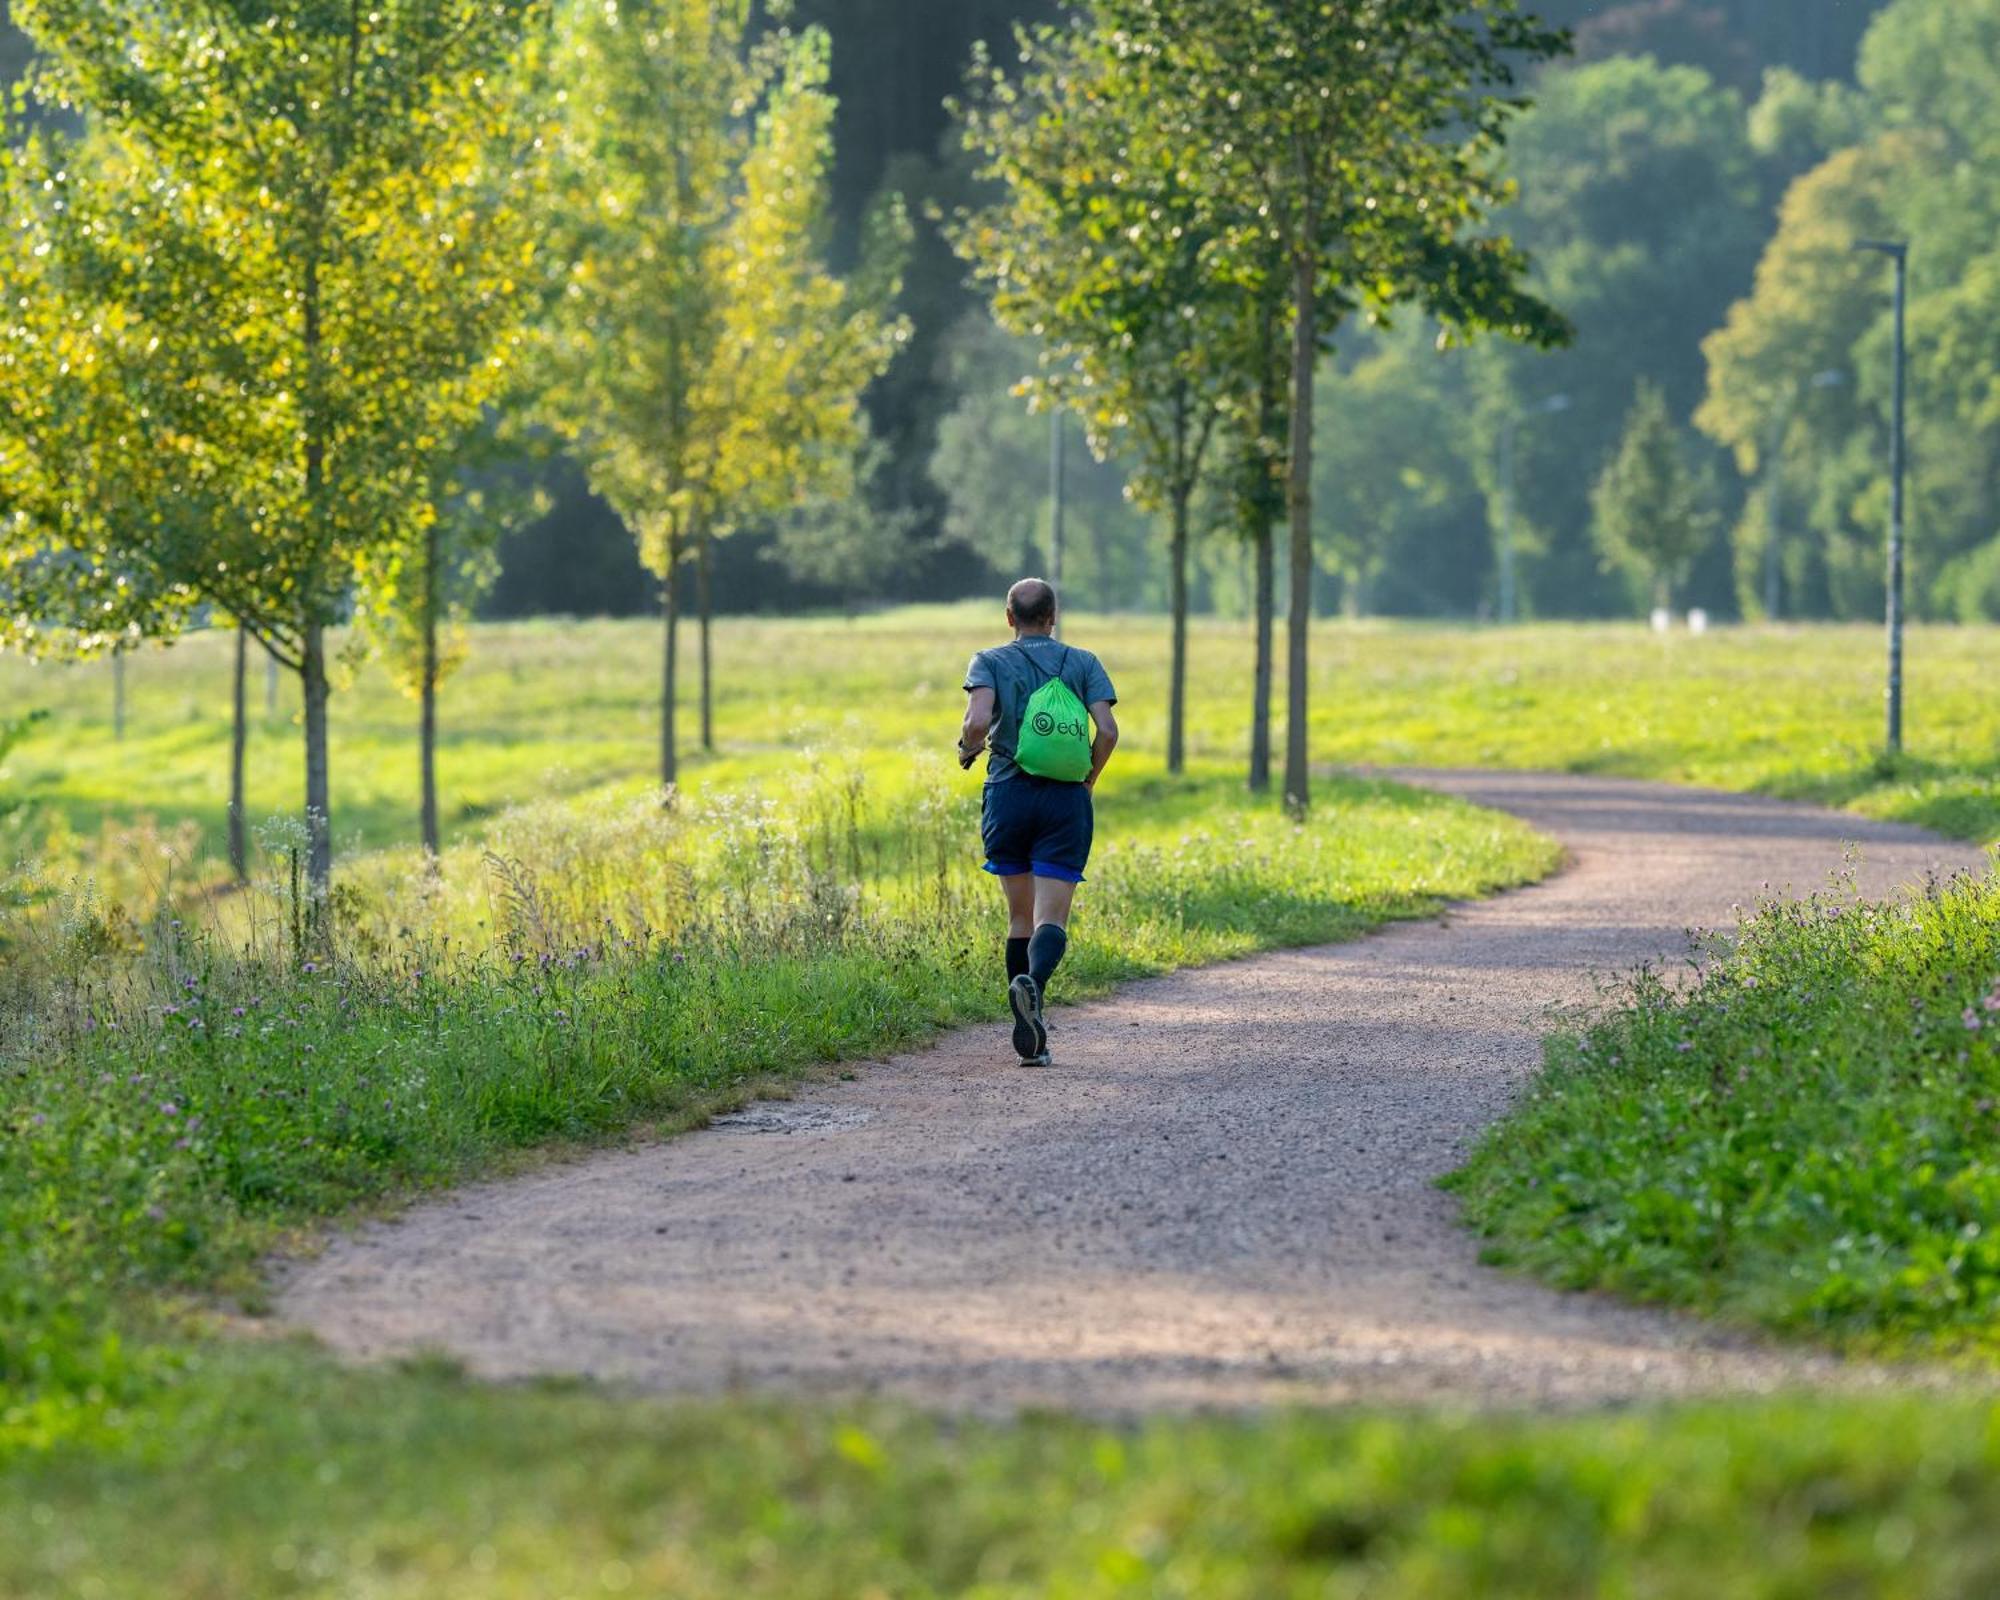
1017, 958
1045, 953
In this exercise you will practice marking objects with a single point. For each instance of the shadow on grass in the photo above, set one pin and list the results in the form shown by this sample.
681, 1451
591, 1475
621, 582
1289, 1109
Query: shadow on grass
1959, 799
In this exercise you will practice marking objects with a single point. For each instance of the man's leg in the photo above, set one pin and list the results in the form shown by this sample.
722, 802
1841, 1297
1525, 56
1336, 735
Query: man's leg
1052, 897
1030, 1040
1020, 892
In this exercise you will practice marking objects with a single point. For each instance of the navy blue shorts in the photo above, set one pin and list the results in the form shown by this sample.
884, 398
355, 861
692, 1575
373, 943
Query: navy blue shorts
1036, 825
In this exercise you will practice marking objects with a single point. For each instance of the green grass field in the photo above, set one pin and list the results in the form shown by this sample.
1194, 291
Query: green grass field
559, 708
171, 1098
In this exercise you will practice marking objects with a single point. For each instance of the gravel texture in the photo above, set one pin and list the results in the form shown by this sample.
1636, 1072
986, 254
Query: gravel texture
1222, 1195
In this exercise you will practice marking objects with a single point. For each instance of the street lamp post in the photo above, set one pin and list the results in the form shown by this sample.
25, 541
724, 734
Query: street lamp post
1898, 251
1508, 425
1056, 506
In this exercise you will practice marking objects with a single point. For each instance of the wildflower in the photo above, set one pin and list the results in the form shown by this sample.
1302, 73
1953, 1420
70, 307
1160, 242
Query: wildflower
1971, 1020
236, 1011
310, 966
1684, 1046
169, 1109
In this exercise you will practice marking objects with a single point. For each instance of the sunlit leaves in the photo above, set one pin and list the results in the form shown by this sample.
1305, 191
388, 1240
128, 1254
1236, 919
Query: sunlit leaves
705, 362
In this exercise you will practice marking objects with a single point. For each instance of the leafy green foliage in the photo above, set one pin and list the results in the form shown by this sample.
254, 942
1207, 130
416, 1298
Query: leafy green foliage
1804, 1138
701, 359
1650, 511
992, 463
272, 287
1639, 200
1909, 165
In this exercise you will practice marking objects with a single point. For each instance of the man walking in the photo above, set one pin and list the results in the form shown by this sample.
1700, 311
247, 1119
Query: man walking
1041, 710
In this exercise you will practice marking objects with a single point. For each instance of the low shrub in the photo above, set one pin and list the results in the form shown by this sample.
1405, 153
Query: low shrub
1806, 1135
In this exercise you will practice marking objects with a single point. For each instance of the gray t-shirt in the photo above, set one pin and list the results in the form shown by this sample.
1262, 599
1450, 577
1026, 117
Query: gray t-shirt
1014, 672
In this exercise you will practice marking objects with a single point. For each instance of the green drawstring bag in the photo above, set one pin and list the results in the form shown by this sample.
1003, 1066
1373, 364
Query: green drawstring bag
1054, 741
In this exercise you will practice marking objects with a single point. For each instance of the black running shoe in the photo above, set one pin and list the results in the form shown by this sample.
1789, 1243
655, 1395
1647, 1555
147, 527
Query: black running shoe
1031, 1039
1041, 1060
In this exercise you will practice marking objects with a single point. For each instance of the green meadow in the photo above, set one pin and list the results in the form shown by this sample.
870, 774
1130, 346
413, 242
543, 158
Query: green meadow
553, 708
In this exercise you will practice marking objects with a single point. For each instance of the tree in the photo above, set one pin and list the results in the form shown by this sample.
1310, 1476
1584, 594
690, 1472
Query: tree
1805, 315
703, 362
288, 259
1652, 517
1259, 490
1365, 138
847, 537
422, 595
1643, 207
992, 465
1100, 247
1923, 123
1397, 496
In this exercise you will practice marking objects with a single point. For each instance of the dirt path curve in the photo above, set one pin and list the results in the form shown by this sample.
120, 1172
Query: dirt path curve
1223, 1195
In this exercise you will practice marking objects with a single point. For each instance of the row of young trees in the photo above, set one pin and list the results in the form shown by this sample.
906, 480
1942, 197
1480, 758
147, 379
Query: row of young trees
306, 263
1194, 196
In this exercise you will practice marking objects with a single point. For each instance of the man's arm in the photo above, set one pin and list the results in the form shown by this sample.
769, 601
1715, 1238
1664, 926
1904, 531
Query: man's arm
1105, 741
978, 723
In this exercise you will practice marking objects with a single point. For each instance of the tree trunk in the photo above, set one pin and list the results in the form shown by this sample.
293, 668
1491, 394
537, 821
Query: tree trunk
1266, 543
312, 652
427, 716
1305, 351
239, 737
701, 555
670, 608
1263, 511
1178, 602
319, 814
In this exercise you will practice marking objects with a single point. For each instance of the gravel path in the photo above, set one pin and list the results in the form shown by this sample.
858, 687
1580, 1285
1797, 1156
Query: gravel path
1223, 1195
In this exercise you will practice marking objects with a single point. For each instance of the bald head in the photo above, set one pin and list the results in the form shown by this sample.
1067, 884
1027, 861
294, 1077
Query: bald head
1031, 605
